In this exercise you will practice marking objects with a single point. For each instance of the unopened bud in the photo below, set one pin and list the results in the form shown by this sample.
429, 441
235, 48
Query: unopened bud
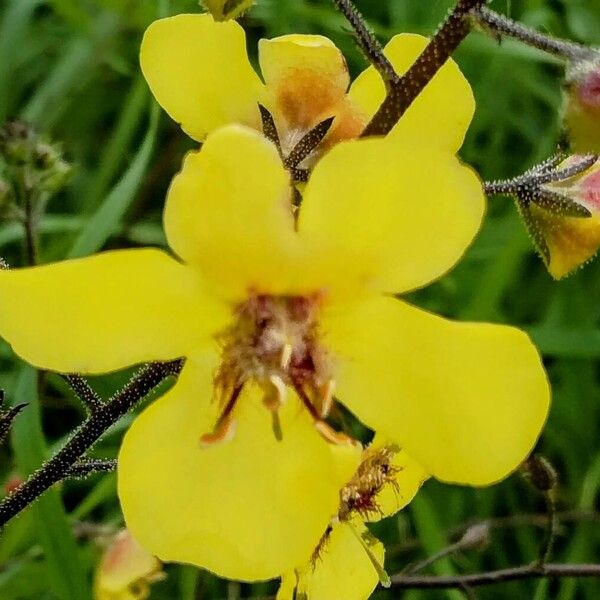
126, 570
564, 220
541, 473
56, 176
475, 537
222, 10
582, 106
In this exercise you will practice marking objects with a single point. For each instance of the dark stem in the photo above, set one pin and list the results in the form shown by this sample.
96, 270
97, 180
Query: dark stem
84, 392
89, 466
368, 43
500, 26
408, 87
85, 436
494, 577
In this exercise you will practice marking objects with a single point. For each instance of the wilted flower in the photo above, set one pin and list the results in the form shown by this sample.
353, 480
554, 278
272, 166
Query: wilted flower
348, 561
565, 223
126, 570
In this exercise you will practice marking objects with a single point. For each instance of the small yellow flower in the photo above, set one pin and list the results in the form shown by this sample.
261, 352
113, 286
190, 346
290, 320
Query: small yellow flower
200, 73
126, 570
275, 311
348, 562
567, 241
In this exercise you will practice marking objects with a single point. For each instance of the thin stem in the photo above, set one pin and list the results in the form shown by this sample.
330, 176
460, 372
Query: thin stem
84, 392
89, 466
368, 43
88, 433
499, 25
408, 87
494, 577
550, 530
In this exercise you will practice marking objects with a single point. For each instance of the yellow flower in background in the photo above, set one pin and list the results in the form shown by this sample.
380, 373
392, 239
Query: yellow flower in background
274, 312
199, 71
126, 570
348, 562
565, 240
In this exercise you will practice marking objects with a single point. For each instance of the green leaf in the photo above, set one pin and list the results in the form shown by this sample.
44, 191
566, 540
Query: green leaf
64, 569
108, 218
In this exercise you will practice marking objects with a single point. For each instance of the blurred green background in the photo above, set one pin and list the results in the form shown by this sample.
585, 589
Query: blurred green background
70, 67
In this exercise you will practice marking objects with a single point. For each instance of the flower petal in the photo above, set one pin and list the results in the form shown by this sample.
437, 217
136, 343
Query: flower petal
306, 76
466, 400
443, 111
229, 211
250, 508
373, 211
199, 72
342, 571
105, 312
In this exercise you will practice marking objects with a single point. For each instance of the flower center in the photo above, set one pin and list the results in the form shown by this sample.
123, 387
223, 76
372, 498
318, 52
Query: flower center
274, 343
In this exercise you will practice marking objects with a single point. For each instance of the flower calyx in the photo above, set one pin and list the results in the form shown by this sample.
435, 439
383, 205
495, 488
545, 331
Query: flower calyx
300, 151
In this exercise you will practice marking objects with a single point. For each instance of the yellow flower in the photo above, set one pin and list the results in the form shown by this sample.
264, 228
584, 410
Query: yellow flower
200, 73
273, 315
348, 562
567, 241
126, 570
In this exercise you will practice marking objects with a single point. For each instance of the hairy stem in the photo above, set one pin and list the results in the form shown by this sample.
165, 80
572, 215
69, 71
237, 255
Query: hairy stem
408, 87
88, 433
549, 571
500, 26
368, 43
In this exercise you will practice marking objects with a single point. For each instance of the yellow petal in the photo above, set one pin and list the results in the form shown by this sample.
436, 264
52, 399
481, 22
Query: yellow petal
374, 213
229, 211
199, 72
250, 508
106, 312
408, 479
342, 571
466, 400
443, 111
306, 77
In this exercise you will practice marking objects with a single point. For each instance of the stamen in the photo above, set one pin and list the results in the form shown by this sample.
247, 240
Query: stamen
286, 356
308, 143
223, 432
224, 428
327, 398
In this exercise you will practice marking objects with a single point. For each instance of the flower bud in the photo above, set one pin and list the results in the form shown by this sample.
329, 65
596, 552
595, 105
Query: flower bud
541, 473
582, 106
126, 570
221, 10
564, 220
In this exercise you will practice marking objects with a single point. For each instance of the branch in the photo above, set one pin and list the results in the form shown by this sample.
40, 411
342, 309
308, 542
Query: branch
549, 571
499, 26
368, 43
88, 433
89, 466
84, 392
407, 88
